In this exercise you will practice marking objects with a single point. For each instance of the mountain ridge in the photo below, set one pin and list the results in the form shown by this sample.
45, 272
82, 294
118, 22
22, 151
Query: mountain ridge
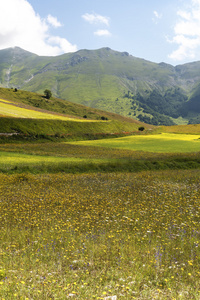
110, 80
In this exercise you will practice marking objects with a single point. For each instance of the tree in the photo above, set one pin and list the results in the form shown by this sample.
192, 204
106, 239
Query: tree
47, 94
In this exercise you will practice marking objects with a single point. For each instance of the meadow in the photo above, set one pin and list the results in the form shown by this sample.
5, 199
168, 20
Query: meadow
112, 218
162, 142
98, 222
127, 154
100, 236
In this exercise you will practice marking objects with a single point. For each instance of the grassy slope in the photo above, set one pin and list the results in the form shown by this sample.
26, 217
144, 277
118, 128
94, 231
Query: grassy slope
188, 129
37, 104
11, 109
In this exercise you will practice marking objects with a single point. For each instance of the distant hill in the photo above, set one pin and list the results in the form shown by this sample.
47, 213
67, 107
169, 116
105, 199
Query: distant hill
24, 113
112, 81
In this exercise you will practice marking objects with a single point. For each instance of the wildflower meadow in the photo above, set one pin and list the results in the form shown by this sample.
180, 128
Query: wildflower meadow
100, 236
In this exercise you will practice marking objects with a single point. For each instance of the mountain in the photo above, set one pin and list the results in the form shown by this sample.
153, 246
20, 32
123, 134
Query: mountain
110, 80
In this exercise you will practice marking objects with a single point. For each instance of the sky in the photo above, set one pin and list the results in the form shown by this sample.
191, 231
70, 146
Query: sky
155, 30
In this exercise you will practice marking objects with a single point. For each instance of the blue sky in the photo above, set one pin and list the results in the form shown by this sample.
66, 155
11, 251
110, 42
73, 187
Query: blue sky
156, 30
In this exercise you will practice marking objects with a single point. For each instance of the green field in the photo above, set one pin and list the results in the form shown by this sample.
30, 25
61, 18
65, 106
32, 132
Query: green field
123, 225
11, 162
165, 143
101, 217
127, 154
10, 159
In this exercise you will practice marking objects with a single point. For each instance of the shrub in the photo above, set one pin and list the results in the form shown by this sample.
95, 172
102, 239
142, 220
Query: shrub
141, 128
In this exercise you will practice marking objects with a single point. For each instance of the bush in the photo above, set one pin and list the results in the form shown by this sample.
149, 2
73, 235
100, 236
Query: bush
141, 128
104, 118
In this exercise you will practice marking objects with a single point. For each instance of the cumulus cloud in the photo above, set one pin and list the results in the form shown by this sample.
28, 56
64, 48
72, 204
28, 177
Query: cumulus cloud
187, 33
53, 21
21, 26
102, 32
96, 19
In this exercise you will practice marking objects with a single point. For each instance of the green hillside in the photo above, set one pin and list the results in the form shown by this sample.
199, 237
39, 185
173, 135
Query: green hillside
29, 115
113, 81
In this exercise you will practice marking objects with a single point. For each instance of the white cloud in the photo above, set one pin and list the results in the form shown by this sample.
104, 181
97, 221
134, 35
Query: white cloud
96, 19
53, 21
21, 26
102, 32
156, 17
187, 33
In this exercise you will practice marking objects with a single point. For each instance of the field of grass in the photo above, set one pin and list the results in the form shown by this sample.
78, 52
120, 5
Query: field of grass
165, 143
81, 157
10, 159
29, 128
182, 129
111, 230
11, 162
114, 218
10, 109
95, 236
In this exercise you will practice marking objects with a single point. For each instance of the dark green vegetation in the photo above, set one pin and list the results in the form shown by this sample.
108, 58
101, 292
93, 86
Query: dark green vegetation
47, 94
113, 81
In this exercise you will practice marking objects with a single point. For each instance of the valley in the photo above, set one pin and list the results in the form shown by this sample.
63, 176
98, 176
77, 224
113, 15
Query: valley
94, 204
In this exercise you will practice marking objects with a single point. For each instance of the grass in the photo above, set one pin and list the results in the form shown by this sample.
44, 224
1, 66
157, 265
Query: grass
165, 142
9, 158
185, 129
79, 158
70, 109
48, 127
103, 219
10, 109
17, 163
33, 115
114, 231
92, 236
